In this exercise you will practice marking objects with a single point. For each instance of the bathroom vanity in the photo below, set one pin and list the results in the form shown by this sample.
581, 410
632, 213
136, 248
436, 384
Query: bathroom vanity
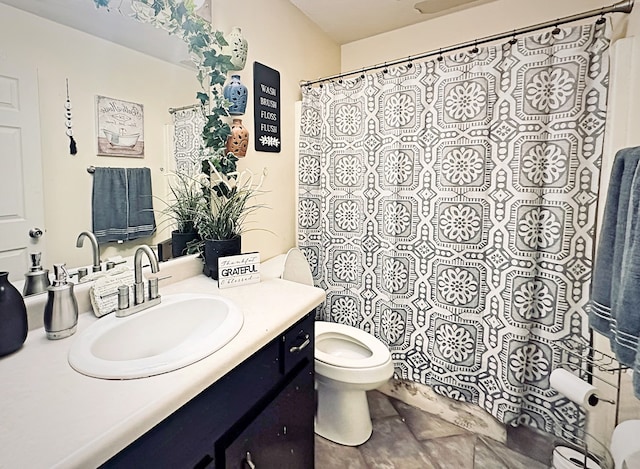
253, 398
262, 411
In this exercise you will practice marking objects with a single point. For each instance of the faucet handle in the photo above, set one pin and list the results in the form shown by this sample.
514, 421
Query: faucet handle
123, 297
153, 288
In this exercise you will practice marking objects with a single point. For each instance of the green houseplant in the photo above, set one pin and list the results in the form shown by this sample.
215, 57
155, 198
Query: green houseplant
222, 220
187, 201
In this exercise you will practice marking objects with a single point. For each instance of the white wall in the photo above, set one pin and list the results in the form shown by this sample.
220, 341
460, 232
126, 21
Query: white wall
462, 26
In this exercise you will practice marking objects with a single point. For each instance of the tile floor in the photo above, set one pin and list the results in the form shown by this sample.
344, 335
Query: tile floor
405, 437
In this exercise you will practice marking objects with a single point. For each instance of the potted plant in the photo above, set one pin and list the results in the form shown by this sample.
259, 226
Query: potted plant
222, 220
187, 200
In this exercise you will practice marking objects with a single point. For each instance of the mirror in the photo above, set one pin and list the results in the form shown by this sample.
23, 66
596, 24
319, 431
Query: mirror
77, 44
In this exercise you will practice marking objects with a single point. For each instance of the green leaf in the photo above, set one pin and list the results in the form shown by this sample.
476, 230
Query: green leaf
178, 12
210, 58
224, 63
219, 38
216, 79
157, 6
203, 97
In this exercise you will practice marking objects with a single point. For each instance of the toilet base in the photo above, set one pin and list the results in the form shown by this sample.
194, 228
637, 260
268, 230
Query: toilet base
343, 415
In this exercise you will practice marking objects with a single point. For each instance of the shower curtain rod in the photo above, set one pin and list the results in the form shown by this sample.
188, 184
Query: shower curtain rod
173, 110
624, 6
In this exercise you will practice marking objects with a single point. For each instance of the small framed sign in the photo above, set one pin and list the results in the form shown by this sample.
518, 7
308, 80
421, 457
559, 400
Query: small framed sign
238, 270
120, 127
266, 108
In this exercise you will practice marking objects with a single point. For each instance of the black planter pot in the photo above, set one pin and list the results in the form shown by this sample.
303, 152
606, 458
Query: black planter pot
216, 248
13, 317
179, 242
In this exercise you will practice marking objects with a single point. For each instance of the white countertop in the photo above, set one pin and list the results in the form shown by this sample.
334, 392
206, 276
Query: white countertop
53, 416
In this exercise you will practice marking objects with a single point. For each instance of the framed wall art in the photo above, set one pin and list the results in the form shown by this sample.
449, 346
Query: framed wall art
120, 127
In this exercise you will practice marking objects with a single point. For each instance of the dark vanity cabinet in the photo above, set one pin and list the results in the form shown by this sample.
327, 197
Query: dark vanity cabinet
259, 415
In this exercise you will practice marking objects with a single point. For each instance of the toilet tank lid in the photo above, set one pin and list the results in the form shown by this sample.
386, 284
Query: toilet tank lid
296, 268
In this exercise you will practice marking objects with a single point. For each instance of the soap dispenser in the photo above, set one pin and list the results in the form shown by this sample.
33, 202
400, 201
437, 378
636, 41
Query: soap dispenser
61, 310
37, 279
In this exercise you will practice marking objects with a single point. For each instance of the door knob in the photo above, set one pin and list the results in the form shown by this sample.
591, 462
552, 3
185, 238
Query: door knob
35, 232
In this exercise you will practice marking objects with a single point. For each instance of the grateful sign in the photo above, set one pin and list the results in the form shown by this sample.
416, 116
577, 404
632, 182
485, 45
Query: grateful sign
238, 270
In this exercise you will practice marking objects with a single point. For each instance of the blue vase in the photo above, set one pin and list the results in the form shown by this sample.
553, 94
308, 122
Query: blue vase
236, 92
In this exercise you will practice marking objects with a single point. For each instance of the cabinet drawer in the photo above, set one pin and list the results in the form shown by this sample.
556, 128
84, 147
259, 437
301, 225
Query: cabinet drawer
277, 436
297, 344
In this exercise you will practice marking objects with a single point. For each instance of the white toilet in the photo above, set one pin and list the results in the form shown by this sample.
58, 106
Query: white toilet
348, 362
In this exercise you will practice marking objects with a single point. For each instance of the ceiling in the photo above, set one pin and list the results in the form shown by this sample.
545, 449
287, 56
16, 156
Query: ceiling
343, 20
350, 20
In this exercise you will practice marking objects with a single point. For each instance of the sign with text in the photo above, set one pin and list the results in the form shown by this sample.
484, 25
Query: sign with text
266, 108
234, 271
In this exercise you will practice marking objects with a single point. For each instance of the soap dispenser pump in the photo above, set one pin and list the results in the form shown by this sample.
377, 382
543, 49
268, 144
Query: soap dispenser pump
37, 279
61, 310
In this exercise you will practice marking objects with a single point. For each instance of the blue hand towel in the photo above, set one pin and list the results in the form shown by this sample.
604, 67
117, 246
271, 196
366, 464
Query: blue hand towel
605, 282
615, 290
122, 204
142, 221
625, 311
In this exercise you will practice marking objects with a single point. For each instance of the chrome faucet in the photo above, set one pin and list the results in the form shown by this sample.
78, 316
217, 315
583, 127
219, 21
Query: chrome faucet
139, 302
138, 286
94, 245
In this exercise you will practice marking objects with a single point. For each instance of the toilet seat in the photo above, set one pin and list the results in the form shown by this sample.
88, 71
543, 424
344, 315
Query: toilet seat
379, 353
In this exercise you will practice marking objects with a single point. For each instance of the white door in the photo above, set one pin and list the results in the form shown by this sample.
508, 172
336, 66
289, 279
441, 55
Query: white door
21, 199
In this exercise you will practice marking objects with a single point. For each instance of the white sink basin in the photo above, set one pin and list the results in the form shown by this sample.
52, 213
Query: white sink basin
181, 330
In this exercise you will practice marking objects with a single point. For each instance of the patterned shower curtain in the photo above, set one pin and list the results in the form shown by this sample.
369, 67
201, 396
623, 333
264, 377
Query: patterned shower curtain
187, 140
448, 207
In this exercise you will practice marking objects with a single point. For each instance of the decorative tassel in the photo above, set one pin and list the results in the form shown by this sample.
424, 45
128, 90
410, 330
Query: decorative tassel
73, 149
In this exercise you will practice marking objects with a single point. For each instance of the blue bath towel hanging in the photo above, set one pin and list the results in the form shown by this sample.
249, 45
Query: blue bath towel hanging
608, 263
122, 204
615, 291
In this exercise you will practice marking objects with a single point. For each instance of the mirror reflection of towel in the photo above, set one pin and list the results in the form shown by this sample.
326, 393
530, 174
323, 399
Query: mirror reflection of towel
122, 204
